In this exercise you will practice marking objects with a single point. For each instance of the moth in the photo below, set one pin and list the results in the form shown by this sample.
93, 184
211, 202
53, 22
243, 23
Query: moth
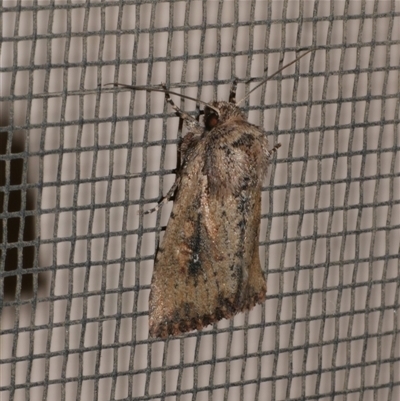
207, 266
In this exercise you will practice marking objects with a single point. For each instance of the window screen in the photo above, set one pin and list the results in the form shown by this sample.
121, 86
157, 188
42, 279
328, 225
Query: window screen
81, 161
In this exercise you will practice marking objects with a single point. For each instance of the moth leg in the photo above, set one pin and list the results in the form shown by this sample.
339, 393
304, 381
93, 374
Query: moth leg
191, 122
274, 149
232, 93
198, 114
165, 198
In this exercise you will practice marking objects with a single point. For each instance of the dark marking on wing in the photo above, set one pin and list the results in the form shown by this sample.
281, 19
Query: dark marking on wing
245, 140
195, 244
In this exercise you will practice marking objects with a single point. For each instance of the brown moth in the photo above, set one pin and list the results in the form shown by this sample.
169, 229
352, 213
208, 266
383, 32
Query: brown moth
208, 267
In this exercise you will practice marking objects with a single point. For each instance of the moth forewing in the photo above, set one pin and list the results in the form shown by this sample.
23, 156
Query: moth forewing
207, 267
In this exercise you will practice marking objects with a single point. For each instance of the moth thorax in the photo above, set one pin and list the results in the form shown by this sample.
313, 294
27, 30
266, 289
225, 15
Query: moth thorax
225, 112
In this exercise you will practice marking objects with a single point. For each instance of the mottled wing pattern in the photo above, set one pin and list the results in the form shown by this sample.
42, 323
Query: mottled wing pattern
207, 266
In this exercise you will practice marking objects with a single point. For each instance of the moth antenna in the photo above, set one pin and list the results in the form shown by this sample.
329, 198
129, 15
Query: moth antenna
232, 94
275, 73
144, 88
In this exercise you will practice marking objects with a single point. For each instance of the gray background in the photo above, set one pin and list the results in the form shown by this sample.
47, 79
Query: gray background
79, 160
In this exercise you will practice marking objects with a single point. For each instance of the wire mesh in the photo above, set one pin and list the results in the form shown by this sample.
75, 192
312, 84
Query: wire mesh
79, 159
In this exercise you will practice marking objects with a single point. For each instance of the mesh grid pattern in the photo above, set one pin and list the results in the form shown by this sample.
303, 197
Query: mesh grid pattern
78, 161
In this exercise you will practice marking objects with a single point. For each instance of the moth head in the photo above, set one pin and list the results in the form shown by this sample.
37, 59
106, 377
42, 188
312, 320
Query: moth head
211, 117
217, 113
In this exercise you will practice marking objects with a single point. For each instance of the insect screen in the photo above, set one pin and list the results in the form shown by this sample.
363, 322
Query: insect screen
81, 162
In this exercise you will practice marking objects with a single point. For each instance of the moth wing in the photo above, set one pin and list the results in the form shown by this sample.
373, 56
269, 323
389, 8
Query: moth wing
207, 267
